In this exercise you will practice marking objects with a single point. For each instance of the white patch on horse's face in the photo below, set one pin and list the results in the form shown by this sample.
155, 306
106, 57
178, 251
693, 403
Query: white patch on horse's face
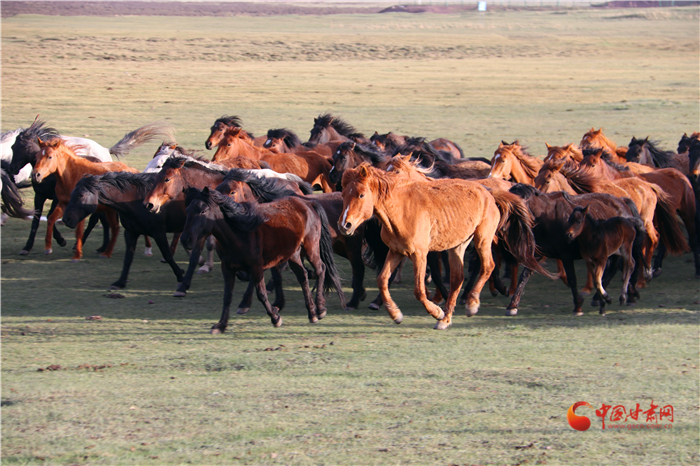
268, 142
43, 151
345, 215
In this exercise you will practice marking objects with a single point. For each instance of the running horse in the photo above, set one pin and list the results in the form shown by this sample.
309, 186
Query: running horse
511, 162
328, 128
55, 157
285, 140
597, 140
570, 153
309, 166
647, 152
420, 216
224, 124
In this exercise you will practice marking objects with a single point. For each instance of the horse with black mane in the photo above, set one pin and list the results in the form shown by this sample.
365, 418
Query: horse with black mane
328, 128
648, 153
253, 237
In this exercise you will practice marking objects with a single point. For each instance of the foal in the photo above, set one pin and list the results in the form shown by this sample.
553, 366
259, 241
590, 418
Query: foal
600, 239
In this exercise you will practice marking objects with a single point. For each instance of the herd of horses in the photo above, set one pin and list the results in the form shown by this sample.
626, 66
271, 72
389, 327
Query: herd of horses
384, 199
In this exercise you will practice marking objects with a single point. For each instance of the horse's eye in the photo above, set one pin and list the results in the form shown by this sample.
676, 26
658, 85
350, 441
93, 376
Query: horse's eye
228, 145
362, 195
167, 180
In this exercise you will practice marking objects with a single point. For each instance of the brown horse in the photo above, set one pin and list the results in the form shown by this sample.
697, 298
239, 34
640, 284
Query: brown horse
686, 141
328, 128
598, 240
422, 216
308, 165
511, 162
55, 156
389, 142
597, 140
222, 125
648, 153
570, 153
595, 163
285, 140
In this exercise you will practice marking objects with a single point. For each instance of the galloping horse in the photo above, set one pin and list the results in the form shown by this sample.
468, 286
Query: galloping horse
328, 128
351, 154
253, 237
512, 163
647, 152
285, 140
55, 157
309, 166
11, 198
422, 216
224, 124
570, 153
389, 142
686, 141
597, 140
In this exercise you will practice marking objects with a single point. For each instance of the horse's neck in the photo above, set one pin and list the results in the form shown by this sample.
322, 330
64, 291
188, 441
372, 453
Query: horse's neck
201, 177
226, 236
519, 173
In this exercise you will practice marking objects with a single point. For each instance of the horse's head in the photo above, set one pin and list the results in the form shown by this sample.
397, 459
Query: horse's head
637, 152
168, 185
686, 141
502, 161
402, 165
569, 151
358, 198
48, 158
202, 212
694, 162
576, 222
592, 159
83, 201
591, 138
26, 147
219, 128
281, 140
342, 160
235, 188
547, 180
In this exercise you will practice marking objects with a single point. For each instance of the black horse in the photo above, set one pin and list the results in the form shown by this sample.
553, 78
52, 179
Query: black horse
24, 152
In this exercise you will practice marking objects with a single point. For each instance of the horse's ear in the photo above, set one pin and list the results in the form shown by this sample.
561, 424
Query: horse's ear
205, 190
570, 146
353, 145
375, 134
584, 212
40, 141
548, 146
364, 171
646, 139
503, 143
406, 158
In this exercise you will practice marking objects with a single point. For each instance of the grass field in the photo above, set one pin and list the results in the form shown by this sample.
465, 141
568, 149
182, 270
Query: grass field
147, 384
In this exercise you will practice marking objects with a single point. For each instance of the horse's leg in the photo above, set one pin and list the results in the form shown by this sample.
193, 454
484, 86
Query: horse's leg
377, 303
473, 269
456, 261
609, 271
596, 266
353, 248
482, 244
105, 233
571, 278
229, 282
627, 268
192, 265
173, 245
78, 254
247, 299
279, 292
512, 308
390, 263
130, 239
588, 287
209, 264
161, 240
258, 277
50, 222
39, 201
92, 221
434, 259
113, 220
419, 260
513, 278
299, 270
148, 251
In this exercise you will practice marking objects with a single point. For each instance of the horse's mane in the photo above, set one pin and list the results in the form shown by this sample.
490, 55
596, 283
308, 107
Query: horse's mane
289, 137
390, 140
183, 161
123, 181
605, 157
264, 189
661, 158
364, 150
343, 128
8, 134
525, 191
376, 176
581, 181
229, 121
242, 217
36, 130
423, 150
400, 163
598, 134
529, 163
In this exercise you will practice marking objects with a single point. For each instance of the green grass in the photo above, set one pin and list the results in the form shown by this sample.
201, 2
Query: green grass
147, 384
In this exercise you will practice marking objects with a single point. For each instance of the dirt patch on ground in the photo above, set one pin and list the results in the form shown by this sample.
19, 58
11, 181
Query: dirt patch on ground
176, 9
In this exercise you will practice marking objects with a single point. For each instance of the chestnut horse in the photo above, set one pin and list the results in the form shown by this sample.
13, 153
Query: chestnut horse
328, 128
285, 140
413, 225
512, 163
309, 166
224, 124
597, 140
55, 157
570, 153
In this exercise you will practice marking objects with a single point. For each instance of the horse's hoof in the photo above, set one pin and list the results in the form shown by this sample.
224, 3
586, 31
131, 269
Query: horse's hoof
163, 261
48, 251
585, 292
215, 331
440, 325
73, 261
242, 310
494, 293
24, 252
148, 252
512, 312
442, 315
278, 323
350, 308
179, 294
398, 319
114, 287
61, 242
204, 269
602, 312
374, 306
578, 313
607, 299
656, 272
472, 310
313, 320
321, 315
104, 256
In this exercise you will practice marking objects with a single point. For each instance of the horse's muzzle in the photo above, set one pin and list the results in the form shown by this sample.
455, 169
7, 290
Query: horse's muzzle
348, 229
37, 177
207, 145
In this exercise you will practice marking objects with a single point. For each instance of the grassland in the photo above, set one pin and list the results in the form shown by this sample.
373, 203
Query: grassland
146, 384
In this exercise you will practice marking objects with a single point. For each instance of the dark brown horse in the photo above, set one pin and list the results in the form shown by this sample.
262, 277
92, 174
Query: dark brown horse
328, 128
648, 153
598, 240
285, 140
351, 154
224, 124
253, 237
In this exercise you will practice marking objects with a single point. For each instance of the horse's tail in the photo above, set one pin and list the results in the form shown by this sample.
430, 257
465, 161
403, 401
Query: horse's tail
157, 130
12, 201
667, 223
332, 278
639, 239
515, 230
